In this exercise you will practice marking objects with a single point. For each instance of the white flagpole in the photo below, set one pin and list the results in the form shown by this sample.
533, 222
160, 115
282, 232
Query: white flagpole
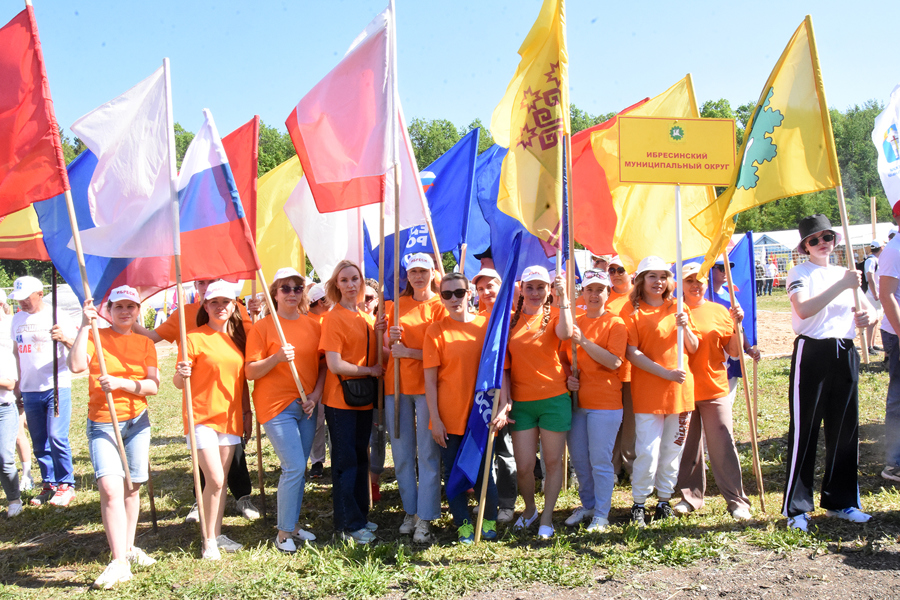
678, 278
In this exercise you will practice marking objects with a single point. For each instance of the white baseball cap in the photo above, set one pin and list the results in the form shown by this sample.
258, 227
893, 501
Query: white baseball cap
26, 286
419, 260
691, 269
592, 276
616, 260
286, 272
124, 292
486, 273
317, 292
535, 273
652, 263
220, 289
875, 245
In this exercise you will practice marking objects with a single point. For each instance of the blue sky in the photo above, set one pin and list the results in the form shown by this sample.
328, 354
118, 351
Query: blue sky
455, 57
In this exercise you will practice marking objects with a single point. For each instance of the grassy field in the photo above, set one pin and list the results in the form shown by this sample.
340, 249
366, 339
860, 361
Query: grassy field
777, 302
50, 552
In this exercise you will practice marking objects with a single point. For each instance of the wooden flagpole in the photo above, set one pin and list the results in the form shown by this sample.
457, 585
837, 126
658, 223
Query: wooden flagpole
260, 469
872, 206
486, 467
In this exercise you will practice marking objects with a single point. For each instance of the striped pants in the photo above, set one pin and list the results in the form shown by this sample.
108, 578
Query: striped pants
823, 388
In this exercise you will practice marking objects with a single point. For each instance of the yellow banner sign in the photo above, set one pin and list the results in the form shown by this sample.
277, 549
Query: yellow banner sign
668, 150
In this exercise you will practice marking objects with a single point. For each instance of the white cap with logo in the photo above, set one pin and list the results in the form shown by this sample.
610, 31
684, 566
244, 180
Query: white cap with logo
26, 286
124, 292
535, 273
419, 260
220, 289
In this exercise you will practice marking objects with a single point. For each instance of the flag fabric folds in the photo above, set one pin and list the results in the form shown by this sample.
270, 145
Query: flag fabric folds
886, 138
130, 189
744, 277
242, 149
32, 166
788, 146
470, 456
532, 120
21, 237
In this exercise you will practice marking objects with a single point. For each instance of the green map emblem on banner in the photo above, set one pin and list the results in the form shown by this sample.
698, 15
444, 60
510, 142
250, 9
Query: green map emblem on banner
759, 145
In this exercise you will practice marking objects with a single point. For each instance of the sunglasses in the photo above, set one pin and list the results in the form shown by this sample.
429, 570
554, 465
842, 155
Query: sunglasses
447, 294
828, 237
316, 303
719, 267
616, 270
369, 298
287, 289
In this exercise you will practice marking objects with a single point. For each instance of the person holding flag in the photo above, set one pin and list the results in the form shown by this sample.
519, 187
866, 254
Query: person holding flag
131, 375
542, 407
412, 446
451, 355
214, 360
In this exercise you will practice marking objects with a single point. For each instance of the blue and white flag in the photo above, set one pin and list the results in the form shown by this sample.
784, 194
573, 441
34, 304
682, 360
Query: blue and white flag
470, 456
886, 138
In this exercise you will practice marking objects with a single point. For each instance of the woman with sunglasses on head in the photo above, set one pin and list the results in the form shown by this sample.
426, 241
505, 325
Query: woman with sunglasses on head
711, 417
290, 424
601, 337
541, 405
349, 338
214, 362
824, 379
663, 394
413, 446
452, 351
131, 376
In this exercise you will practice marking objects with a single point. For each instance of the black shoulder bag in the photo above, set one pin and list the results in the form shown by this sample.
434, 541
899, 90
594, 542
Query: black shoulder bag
361, 391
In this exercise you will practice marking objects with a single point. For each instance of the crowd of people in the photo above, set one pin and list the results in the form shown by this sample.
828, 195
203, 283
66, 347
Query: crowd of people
634, 386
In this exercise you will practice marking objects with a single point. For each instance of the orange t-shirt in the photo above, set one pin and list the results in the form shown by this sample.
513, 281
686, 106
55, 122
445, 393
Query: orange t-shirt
127, 356
485, 309
715, 328
415, 317
217, 381
621, 306
652, 330
168, 330
601, 388
344, 332
455, 349
274, 391
535, 370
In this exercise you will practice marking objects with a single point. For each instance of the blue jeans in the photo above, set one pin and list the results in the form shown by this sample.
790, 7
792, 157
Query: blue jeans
50, 435
415, 442
349, 430
9, 429
291, 432
104, 449
459, 505
892, 408
591, 442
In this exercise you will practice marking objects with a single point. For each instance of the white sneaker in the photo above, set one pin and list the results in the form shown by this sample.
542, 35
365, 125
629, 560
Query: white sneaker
14, 509
223, 542
361, 536
246, 508
373, 527
683, 508
64, 495
800, 522
115, 572
194, 515
545, 532
211, 551
741, 514
422, 534
598, 524
287, 546
409, 524
578, 515
506, 515
303, 536
852, 514
138, 557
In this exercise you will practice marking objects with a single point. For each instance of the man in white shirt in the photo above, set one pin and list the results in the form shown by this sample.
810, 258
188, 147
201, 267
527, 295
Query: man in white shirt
870, 272
34, 335
771, 274
889, 293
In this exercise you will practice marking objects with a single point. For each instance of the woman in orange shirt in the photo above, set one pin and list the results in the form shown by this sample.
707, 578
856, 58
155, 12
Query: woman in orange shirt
289, 425
601, 337
131, 376
349, 338
413, 446
663, 394
712, 403
541, 405
214, 362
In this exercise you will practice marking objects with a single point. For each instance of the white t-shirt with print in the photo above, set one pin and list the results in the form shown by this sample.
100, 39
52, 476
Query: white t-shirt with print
889, 266
31, 334
836, 320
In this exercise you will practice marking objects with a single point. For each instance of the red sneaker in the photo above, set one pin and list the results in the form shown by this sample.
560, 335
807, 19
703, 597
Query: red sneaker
46, 494
65, 493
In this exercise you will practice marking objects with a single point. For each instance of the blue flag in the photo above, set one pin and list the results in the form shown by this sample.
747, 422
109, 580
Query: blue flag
744, 277
490, 377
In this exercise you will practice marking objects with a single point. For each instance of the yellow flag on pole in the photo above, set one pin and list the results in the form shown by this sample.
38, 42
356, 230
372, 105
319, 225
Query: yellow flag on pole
788, 146
646, 213
531, 121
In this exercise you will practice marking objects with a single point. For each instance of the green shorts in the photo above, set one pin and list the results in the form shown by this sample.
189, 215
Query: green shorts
550, 414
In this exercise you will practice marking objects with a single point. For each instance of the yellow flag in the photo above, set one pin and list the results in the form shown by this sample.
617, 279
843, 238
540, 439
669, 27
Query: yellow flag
788, 146
276, 241
646, 213
21, 237
531, 121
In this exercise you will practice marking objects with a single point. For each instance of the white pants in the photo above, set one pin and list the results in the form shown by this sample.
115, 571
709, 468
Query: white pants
659, 442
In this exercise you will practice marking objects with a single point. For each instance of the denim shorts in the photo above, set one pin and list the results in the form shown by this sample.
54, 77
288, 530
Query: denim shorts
550, 414
105, 452
207, 437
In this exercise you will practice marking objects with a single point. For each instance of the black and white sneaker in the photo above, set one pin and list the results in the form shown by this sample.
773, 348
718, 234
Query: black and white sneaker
663, 511
638, 515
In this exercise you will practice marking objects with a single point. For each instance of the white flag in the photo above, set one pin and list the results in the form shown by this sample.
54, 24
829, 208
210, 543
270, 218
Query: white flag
886, 138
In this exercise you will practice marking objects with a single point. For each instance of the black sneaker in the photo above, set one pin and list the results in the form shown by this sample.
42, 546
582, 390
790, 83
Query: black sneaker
638, 515
663, 511
316, 470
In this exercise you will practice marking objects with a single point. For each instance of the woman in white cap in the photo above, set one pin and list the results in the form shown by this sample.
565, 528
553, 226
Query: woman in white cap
319, 304
131, 376
601, 337
487, 284
824, 379
290, 424
542, 407
663, 394
711, 417
412, 446
349, 338
214, 362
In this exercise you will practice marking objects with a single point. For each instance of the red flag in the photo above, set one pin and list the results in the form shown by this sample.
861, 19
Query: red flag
594, 217
32, 166
242, 149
